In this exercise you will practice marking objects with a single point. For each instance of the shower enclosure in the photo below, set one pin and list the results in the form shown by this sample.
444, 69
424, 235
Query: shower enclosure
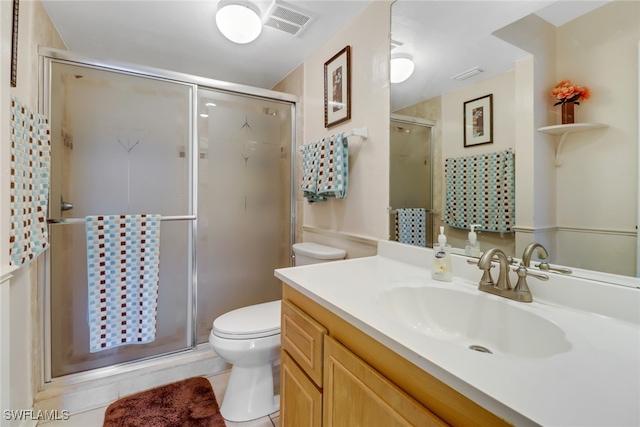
411, 169
212, 158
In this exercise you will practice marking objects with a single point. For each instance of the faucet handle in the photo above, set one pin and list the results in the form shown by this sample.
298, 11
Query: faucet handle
486, 275
522, 288
538, 276
546, 267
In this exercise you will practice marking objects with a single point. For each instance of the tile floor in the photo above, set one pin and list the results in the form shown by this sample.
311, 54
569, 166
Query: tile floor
94, 418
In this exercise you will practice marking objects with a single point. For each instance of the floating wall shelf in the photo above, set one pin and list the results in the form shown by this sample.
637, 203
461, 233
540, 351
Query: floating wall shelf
565, 130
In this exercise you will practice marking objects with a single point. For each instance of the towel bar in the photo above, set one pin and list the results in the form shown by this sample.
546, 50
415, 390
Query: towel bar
361, 132
82, 220
395, 211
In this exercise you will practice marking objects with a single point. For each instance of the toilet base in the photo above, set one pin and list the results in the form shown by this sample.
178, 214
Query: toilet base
249, 394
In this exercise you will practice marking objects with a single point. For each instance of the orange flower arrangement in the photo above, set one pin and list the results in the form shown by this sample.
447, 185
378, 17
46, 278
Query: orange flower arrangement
565, 91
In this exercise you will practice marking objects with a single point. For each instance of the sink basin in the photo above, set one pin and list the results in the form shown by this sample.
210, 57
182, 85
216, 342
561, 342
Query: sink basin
474, 320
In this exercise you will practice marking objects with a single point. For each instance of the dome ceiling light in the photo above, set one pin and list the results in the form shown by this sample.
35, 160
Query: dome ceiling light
239, 20
401, 68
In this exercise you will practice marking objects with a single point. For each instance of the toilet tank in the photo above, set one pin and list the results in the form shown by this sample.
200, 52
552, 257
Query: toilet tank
312, 253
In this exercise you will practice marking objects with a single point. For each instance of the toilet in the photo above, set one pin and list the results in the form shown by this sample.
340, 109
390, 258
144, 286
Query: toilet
249, 339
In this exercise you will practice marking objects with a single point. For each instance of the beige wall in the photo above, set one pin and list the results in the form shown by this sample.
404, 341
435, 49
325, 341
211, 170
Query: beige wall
35, 29
597, 193
357, 222
590, 201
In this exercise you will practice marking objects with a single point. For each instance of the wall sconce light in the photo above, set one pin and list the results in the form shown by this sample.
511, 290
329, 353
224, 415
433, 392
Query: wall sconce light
401, 68
239, 20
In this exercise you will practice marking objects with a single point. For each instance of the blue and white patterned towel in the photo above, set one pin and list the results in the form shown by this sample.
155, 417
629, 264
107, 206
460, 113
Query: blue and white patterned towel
411, 226
28, 184
123, 254
310, 168
333, 169
325, 169
481, 190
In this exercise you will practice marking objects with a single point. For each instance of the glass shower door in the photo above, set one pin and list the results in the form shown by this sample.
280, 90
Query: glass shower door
244, 202
120, 145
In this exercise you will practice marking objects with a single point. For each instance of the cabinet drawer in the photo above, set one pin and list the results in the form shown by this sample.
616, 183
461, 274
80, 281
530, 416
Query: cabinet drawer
302, 338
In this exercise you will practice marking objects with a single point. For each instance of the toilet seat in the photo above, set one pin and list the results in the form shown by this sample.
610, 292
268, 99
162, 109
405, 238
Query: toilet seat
255, 321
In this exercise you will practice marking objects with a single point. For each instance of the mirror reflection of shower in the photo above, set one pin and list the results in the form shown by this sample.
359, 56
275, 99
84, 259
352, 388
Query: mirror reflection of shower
411, 169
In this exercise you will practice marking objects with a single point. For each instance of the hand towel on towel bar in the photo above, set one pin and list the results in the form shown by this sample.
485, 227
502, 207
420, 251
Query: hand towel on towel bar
481, 190
411, 226
123, 254
333, 168
310, 161
325, 166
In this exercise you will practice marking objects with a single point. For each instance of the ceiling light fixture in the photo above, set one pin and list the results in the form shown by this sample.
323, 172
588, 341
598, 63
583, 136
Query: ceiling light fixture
401, 68
239, 20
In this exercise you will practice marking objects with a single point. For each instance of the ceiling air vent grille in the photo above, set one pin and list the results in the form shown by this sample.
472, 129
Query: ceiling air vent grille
289, 19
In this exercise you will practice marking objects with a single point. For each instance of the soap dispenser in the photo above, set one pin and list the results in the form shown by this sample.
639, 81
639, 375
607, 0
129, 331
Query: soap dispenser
473, 245
442, 266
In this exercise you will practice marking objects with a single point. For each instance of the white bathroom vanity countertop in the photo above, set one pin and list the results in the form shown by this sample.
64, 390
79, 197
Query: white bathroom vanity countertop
595, 383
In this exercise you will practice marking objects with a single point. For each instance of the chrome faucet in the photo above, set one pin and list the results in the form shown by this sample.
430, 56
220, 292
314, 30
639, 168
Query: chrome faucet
543, 265
485, 264
528, 251
503, 287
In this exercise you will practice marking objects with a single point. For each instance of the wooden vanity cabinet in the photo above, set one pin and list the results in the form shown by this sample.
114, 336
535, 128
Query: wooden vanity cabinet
361, 382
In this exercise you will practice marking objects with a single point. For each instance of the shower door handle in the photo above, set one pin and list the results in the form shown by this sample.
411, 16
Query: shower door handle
65, 206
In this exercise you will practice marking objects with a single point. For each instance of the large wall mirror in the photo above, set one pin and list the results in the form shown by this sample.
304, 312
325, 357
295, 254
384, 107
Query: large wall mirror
576, 186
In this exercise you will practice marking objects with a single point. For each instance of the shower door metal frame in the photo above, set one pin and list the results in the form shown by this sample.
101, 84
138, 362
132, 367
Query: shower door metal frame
46, 57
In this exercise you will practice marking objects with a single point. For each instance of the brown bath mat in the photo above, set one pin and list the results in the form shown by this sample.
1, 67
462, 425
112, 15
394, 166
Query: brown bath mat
187, 403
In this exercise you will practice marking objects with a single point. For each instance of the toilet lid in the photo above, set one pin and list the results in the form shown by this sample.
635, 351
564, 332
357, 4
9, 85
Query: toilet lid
254, 321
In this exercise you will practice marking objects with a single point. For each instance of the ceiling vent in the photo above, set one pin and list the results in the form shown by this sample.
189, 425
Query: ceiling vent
287, 18
466, 74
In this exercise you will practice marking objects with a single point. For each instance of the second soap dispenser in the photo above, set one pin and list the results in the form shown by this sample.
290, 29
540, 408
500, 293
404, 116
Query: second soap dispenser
473, 245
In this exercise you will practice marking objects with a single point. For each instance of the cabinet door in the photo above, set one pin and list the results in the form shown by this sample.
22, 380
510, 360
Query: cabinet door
357, 395
300, 400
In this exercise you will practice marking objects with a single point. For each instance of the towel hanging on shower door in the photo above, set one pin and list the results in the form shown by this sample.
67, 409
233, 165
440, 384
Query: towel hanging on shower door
411, 226
123, 254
